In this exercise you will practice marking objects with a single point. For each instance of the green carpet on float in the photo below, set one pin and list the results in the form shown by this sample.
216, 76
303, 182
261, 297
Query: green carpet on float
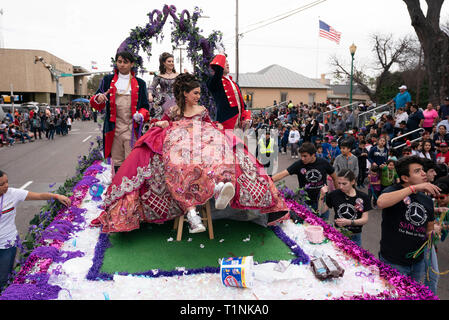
149, 248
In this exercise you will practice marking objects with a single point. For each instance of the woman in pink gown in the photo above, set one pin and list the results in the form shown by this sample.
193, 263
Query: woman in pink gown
180, 163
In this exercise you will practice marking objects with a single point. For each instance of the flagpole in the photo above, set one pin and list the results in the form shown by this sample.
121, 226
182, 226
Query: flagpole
317, 49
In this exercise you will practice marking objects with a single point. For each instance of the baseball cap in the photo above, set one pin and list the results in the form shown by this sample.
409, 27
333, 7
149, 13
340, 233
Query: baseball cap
447, 98
403, 87
443, 144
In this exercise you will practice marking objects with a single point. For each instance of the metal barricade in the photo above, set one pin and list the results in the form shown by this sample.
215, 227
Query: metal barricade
363, 118
281, 104
420, 130
329, 116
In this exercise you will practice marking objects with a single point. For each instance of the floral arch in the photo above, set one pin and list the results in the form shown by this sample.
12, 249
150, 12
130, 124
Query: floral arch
200, 50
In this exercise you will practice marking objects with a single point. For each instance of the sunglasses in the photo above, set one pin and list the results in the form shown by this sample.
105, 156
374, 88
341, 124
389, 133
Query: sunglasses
441, 196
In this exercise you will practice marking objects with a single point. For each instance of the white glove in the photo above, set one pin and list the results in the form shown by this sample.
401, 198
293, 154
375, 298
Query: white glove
220, 48
138, 117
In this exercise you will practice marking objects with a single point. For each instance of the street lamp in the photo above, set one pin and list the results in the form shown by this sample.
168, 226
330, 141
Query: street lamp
352, 50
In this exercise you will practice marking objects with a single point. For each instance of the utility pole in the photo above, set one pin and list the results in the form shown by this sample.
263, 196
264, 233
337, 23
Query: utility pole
12, 98
237, 40
180, 58
2, 42
54, 74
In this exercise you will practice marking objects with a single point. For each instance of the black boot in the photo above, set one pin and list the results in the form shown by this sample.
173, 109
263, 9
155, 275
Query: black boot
275, 216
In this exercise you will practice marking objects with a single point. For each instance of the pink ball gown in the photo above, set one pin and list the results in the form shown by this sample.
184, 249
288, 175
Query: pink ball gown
173, 169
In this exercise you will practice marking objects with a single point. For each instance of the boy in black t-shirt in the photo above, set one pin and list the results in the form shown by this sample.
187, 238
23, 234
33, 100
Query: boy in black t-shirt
407, 218
312, 174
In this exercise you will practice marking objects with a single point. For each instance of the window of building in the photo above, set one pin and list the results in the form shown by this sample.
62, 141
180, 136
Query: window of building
284, 96
249, 98
312, 97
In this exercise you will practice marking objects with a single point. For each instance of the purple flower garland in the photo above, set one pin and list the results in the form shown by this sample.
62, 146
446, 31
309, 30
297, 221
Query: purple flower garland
405, 288
200, 50
35, 286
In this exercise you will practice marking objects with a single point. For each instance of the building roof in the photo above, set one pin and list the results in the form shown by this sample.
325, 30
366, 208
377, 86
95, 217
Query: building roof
276, 76
340, 89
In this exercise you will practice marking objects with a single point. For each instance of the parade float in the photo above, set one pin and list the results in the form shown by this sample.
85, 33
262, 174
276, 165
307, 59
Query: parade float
67, 259
64, 258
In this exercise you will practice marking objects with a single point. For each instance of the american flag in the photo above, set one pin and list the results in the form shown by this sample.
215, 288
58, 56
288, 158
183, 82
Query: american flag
326, 31
94, 65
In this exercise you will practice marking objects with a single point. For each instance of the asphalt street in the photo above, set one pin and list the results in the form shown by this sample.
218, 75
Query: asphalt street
37, 165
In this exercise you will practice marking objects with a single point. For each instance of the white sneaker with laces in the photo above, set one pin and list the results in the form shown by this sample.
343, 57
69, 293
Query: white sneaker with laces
225, 195
195, 223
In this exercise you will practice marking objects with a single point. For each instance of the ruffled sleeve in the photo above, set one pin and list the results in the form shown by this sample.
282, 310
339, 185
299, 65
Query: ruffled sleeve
156, 82
206, 118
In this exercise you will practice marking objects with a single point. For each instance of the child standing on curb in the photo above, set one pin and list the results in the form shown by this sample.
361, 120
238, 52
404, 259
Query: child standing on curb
374, 185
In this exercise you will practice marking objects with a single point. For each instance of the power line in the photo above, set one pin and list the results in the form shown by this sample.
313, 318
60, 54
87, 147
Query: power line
281, 16
264, 45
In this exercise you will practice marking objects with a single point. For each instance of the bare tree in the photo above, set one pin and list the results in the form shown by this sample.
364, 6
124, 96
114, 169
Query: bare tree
435, 46
389, 53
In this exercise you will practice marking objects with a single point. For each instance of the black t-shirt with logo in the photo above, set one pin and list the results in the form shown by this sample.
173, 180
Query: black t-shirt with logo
404, 227
312, 176
347, 207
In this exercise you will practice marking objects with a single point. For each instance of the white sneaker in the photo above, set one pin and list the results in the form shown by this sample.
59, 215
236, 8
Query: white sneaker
225, 196
195, 223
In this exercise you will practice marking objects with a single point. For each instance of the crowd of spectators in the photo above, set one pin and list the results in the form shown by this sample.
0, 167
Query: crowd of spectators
30, 125
374, 156
410, 130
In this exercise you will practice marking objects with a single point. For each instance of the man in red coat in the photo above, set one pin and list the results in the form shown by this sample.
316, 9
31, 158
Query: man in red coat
232, 111
124, 97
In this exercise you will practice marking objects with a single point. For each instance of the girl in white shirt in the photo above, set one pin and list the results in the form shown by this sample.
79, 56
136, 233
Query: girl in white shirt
401, 115
293, 139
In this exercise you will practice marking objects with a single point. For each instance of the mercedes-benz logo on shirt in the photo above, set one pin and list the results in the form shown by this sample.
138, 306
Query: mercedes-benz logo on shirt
313, 176
416, 214
347, 211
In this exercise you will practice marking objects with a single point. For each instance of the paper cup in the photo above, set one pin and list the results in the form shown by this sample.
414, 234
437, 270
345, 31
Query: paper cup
315, 234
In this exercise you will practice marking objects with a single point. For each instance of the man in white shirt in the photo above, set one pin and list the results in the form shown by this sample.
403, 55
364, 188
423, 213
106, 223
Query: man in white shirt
9, 199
